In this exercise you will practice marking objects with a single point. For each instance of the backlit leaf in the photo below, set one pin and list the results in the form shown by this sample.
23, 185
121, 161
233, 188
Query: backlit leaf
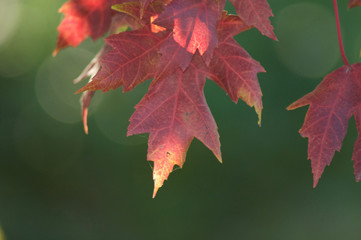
332, 104
177, 43
173, 112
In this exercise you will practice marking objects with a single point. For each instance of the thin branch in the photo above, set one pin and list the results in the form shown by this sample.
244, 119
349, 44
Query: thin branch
342, 50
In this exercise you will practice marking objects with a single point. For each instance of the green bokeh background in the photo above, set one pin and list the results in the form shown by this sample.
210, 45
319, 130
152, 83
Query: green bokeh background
58, 183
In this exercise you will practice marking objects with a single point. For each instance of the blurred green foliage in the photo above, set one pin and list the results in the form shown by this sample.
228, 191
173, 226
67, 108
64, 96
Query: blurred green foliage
57, 183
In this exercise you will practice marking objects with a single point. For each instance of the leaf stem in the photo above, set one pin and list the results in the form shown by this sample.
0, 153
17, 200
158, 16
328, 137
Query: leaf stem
342, 50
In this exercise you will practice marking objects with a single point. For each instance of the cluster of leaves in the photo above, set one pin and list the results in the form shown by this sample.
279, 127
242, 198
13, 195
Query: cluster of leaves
177, 43
180, 43
332, 103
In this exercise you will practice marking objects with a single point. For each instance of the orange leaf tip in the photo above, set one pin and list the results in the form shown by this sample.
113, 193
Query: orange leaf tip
161, 172
85, 120
55, 52
218, 156
157, 184
316, 178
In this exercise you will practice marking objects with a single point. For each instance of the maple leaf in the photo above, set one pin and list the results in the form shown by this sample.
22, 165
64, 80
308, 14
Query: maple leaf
354, 3
82, 19
132, 61
174, 111
194, 26
233, 69
256, 13
332, 104
178, 43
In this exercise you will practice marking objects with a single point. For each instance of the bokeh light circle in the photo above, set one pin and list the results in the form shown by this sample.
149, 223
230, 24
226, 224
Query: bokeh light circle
28, 43
9, 18
307, 39
54, 84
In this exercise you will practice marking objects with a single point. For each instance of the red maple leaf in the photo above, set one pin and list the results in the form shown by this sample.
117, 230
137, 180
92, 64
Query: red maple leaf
134, 59
354, 3
174, 111
256, 13
332, 104
178, 47
83, 18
